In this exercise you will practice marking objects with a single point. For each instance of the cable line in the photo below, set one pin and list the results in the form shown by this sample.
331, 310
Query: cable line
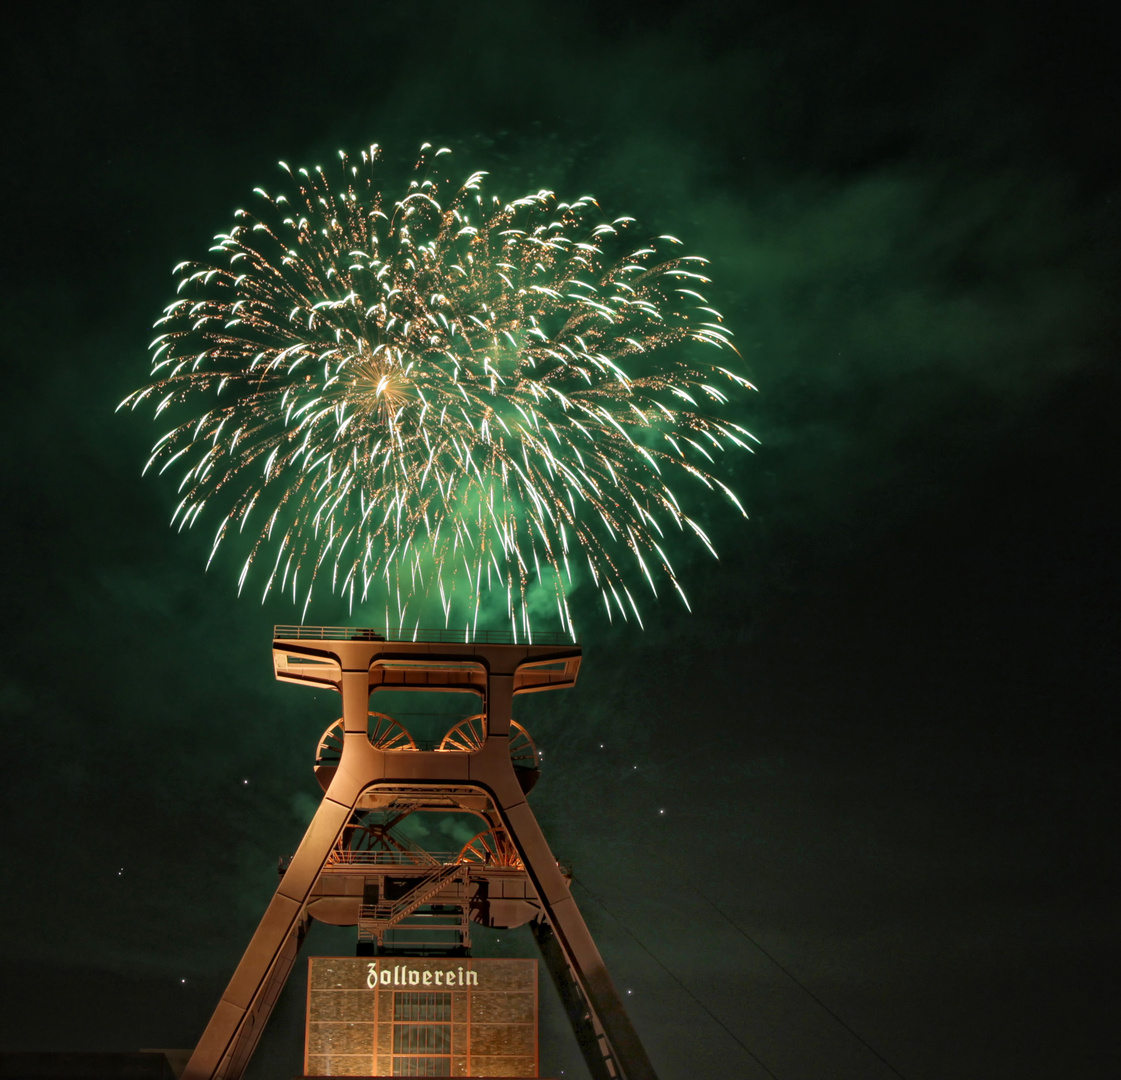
797, 982
687, 881
739, 1042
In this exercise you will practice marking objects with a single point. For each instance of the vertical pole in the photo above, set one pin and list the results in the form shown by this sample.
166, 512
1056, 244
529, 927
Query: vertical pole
500, 704
356, 701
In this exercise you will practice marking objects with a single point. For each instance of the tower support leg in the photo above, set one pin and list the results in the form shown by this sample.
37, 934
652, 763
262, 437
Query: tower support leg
580, 1018
224, 1049
621, 1053
250, 1032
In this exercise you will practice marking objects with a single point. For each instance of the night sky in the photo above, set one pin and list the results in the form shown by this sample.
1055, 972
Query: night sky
881, 747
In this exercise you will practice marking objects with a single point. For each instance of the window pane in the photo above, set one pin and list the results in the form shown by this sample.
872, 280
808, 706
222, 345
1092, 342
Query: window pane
409, 1006
422, 1038
422, 1066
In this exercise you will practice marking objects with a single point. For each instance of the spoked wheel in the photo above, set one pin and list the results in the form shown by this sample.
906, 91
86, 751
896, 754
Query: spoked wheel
385, 734
492, 849
467, 735
374, 832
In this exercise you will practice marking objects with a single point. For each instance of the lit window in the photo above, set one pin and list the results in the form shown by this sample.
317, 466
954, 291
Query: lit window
422, 1034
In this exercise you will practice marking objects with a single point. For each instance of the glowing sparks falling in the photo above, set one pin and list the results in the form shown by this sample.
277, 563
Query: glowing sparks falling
441, 396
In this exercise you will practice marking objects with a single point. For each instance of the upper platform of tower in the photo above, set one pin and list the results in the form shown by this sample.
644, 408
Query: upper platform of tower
423, 659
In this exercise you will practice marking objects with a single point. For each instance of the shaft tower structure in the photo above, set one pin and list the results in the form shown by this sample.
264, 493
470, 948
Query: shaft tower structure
506, 878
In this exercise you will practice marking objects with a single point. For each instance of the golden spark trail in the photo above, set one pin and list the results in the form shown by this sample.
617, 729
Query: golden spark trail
443, 394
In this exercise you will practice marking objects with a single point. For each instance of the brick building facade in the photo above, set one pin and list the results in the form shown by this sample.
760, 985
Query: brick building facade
415, 1016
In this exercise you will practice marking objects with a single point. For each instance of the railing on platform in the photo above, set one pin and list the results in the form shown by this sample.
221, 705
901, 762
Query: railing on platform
343, 860
399, 633
422, 860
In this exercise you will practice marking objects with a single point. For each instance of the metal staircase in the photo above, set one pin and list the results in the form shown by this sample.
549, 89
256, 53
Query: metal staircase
400, 924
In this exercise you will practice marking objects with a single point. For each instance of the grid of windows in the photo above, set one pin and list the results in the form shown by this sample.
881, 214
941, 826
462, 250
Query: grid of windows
422, 1038
381, 1017
422, 1066
422, 1034
422, 1007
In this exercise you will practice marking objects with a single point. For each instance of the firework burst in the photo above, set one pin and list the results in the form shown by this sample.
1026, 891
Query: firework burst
441, 395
